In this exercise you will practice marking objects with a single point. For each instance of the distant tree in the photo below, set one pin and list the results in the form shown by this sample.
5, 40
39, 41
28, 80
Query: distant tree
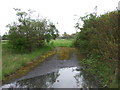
5, 37
65, 36
73, 36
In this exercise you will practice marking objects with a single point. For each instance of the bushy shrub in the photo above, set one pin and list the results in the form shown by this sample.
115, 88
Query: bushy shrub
99, 37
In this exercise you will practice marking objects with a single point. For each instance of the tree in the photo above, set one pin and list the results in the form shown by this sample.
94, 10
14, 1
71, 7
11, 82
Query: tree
5, 37
65, 36
27, 34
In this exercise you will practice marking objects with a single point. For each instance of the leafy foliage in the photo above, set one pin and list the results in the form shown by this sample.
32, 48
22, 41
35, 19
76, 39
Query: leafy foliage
99, 37
27, 34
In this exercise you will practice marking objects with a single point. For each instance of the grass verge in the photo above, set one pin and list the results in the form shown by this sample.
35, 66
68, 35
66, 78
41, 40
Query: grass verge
28, 66
13, 61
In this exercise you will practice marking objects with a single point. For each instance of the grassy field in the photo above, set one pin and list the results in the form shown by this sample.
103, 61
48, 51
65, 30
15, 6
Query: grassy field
13, 61
62, 42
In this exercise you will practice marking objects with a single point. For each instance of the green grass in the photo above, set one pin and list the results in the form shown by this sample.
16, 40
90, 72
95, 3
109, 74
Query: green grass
62, 42
12, 61
4, 41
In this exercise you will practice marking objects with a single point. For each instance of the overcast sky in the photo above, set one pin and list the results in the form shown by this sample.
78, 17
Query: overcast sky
62, 11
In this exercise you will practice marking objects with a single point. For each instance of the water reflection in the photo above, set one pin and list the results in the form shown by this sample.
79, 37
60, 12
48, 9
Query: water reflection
63, 78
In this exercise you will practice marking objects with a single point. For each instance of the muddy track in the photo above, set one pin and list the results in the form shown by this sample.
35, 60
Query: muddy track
53, 63
57, 71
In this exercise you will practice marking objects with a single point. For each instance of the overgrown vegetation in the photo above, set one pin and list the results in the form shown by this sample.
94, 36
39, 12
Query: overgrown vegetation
98, 40
28, 34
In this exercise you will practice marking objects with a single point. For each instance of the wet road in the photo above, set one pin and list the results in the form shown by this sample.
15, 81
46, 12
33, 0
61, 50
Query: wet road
55, 73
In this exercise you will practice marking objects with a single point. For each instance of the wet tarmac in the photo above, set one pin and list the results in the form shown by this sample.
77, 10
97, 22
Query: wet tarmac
55, 73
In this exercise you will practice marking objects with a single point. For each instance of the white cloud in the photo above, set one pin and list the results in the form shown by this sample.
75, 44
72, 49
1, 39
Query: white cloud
61, 11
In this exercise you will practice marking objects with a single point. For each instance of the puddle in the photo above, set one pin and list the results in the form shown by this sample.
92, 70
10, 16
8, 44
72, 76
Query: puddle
64, 53
63, 78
